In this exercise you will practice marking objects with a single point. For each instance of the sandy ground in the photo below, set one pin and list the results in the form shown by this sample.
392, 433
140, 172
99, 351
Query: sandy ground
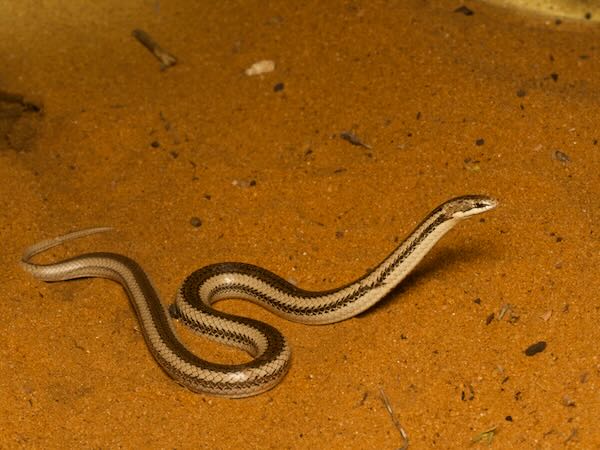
494, 102
574, 9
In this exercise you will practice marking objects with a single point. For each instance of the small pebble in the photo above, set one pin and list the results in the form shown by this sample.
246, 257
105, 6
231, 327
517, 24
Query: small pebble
464, 10
174, 311
561, 156
568, 401
472, 165
536, 348
244, 183
196, 222
260, 67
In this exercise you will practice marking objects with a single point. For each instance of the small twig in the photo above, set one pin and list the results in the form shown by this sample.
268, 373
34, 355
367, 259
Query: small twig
353, 139
166, 59
572, 436
505, 308
28, 105
486, 436
395, 420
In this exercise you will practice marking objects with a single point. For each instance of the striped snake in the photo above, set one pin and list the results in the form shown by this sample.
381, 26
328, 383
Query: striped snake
269, 349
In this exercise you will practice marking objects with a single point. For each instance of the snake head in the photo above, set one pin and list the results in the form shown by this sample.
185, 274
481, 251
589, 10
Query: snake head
468, 205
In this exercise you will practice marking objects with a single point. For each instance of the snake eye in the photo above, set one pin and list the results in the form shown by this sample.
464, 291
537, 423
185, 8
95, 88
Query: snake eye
469, 205
486, 204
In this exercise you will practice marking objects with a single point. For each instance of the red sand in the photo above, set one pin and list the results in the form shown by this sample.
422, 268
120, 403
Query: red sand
419, 83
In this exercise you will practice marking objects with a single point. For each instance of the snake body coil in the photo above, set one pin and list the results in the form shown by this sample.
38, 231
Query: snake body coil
269, 349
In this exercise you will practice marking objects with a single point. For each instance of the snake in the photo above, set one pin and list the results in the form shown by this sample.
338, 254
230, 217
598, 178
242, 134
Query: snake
193, 306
